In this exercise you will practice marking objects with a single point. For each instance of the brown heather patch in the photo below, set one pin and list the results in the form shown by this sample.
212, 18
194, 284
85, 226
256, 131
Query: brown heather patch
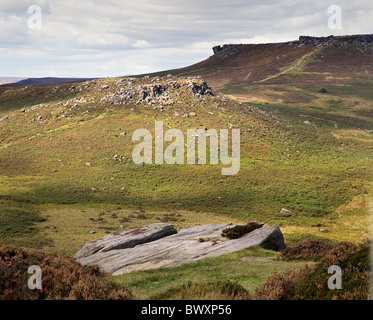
240, 230
62, 278
308, 249
311, 283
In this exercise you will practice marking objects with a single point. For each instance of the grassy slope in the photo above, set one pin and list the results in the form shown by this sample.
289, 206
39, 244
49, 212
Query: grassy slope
321, 172
151, 284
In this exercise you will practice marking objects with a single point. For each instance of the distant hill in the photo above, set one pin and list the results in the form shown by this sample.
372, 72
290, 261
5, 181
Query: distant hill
48, 80
323, 60
7, 80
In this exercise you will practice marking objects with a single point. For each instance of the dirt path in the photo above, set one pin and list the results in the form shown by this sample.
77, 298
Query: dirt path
297, 65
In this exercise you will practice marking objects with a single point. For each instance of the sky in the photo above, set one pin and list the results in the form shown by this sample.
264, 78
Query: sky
95, 38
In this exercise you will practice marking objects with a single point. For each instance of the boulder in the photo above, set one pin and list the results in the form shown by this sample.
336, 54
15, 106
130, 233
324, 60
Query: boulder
189, 245
127, 238
286, 212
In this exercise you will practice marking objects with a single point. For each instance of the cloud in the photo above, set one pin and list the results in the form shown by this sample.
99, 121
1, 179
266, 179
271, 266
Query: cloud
20, 7
141, 44
102, 39
94, 38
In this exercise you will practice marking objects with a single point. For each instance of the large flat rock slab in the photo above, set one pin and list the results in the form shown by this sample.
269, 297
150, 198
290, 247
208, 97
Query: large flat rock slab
128, 238
183, 247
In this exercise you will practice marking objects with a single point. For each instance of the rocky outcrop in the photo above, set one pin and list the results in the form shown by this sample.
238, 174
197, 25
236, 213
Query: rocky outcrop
337, 41
155, 93
189, 245
226, 50
126, 239
360, 41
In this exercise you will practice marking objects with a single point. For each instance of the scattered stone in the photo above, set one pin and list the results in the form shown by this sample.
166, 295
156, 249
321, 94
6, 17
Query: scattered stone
118, 158
286, 212
324, 230
155, 93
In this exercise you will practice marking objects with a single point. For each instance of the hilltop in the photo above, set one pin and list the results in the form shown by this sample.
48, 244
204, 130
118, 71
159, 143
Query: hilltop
319, 58
311, 74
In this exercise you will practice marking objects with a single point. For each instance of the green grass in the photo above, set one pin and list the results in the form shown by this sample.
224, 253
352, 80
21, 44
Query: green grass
14, 98
156, 284
72, 223
19, 225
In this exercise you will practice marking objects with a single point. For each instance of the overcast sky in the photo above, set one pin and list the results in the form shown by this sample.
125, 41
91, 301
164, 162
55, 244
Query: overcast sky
95, 38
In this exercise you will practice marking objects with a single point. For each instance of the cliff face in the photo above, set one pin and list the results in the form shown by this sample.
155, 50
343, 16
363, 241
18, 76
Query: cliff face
337, 41
226, 50
360, 41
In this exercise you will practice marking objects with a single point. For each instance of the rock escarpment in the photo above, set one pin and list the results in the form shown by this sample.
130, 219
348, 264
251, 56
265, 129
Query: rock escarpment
363, 42
226, 50
112, 253
337, 41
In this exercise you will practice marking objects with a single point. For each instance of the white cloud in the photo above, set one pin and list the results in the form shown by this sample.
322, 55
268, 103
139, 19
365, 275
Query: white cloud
102, 39
141, 44
93, 38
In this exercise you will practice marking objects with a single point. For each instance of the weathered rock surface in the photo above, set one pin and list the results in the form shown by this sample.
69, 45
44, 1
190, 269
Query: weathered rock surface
128, 238
337, 41
226, 51
190, 244
155, 93
363, 41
